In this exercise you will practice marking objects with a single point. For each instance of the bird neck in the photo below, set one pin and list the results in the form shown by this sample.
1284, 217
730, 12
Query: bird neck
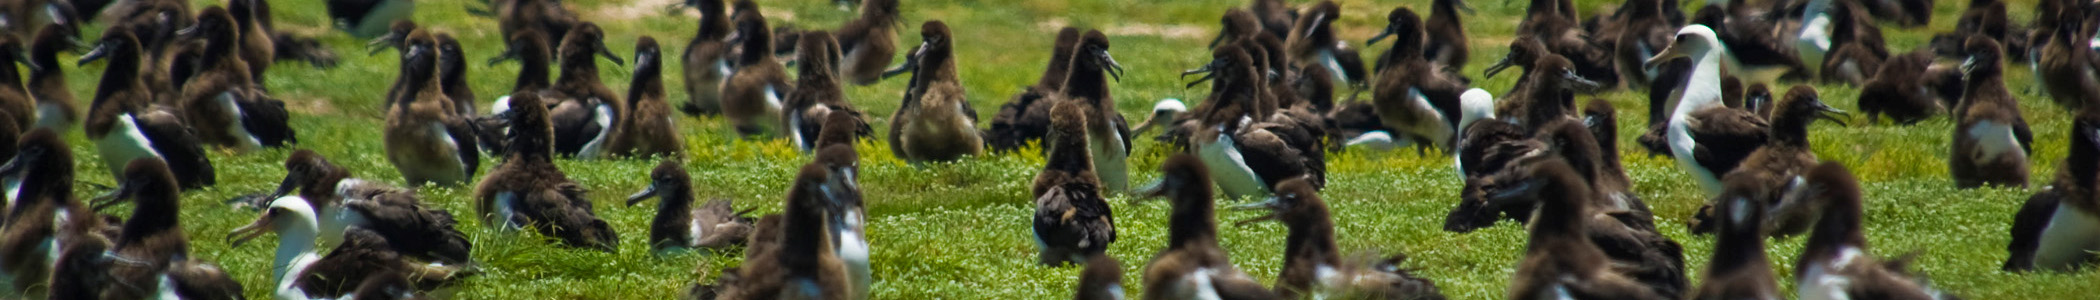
1086, 79
1193, 220
1312, 239
532, 72
293, 249
1704, 88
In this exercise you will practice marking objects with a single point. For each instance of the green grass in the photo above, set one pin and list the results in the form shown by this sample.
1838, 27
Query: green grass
959, 230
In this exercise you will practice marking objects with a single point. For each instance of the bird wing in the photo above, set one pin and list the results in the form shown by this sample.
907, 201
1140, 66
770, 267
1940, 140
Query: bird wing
178, 146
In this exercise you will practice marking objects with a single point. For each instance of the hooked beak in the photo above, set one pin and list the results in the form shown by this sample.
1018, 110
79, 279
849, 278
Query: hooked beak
646, 193
1271, 205
911, 61
1499, 65
1966, 66
1514, 193
610, 55
189, 32
1824, 111
97, 53
1462, 6
249, 232
24, 58
291, 181
1578, 81
1208, 73
1155, 190
125, 190
507, 55
382, 43
1388, 32
1668, 53
1215, 41
1114, 69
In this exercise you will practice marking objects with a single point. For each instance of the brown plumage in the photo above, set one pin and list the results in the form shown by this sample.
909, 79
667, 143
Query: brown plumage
586, 117
452, 75
1558, 259
221, 77
1431, 119
14, 99
752, 97
413, 229
124, 106
1101, 280
153, 236
934, 125
706, 59
678, 224
1765, 175
1898, 90
546, 16
2067, 66
1027, 116
1447, 43
817, 94
257, 47
1310, 250
2058, 208
55, 105
426, 140
1643, 27
1836, 261
1739, 269
528, 190
649, 127
869, 42
1192, 255
1072, 219
45, 164
1991, 138
802, 265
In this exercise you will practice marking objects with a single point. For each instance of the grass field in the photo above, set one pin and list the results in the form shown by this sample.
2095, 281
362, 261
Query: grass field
960, 230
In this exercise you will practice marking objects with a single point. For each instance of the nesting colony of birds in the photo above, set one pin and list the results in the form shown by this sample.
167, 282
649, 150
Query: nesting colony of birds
811, 151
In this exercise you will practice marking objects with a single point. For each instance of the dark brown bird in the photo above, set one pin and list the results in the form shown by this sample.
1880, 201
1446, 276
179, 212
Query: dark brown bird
257, 47
36, 222
818, 94
412, 228
528, 190
585, 119
678, 224
1313, 265
300, 272
869, 42
649, 128
2066, 66
754, 94
1027, 116
1835, 262
1246, 149
1411, 96
1899, 91
1991, 139
55, 107
15, 100
547, 16
1072, 218
1768, 173
706, 59
452, 75
933, 124
1101, 280
1192, 265
802, 265
1559, 260
221, 102
1446, 44
126, 123
2044, 231
426, 139
1739, 268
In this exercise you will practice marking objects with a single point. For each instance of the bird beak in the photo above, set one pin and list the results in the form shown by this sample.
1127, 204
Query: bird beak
1668, 53
1272, 205
1388, 32
382, 43
1214, 41
1510, 194
291, 181
1824, 111
1462, 6
100, 50
1499, 65
646, 193
1155, 190
507, 55
1208, 71
1114, 69
2093, 137
1966, 66
188, 32
252, 230
125, 190
610, 55
1584, 83
24, 58
910, 62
